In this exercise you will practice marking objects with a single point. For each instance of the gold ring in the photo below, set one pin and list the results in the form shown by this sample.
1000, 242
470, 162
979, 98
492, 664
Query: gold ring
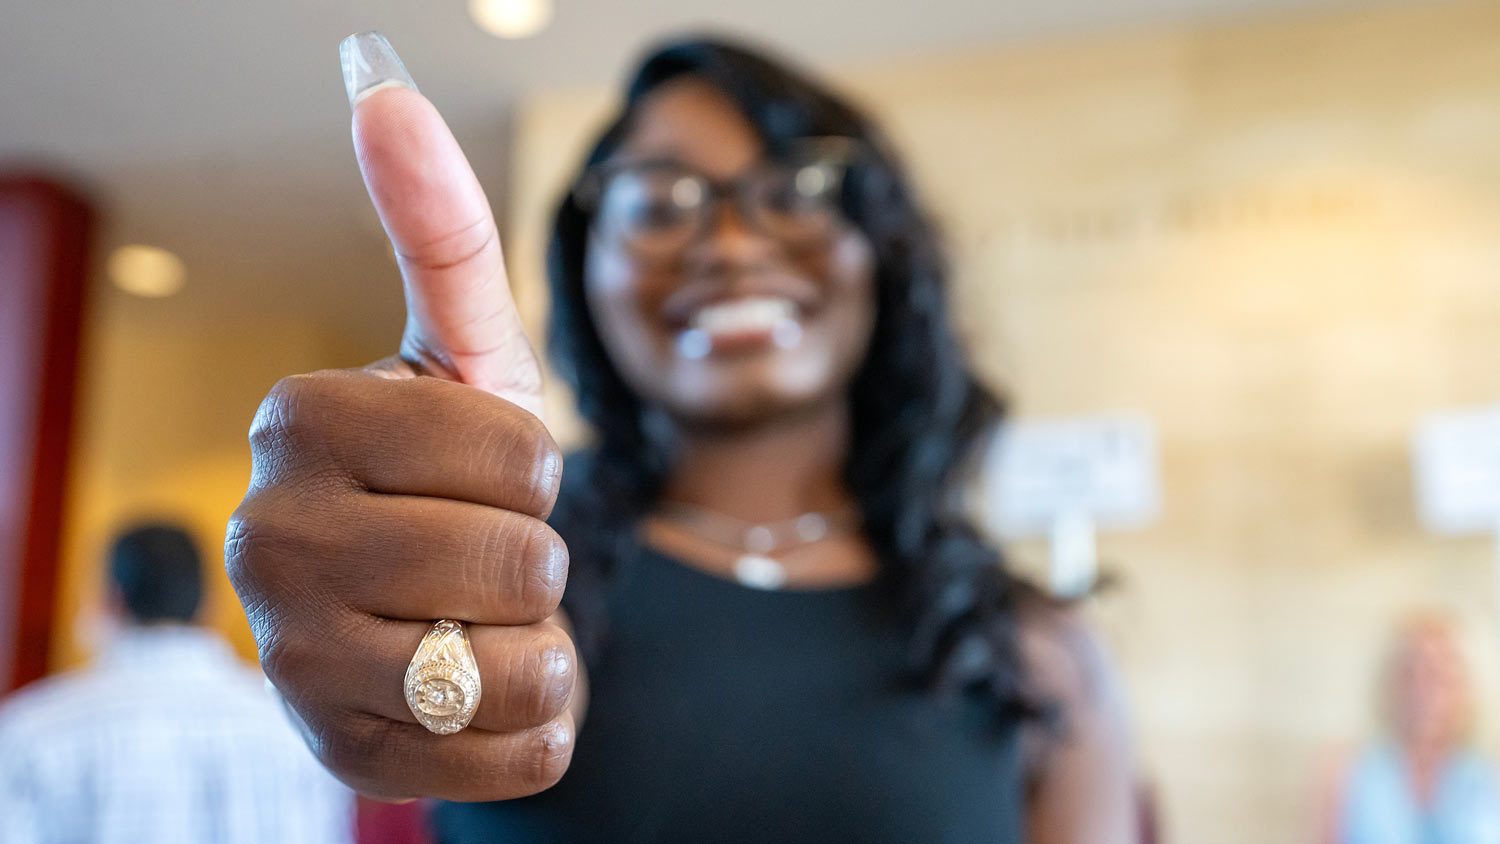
442, 681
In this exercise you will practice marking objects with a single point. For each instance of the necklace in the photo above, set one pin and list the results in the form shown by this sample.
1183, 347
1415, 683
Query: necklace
756, 542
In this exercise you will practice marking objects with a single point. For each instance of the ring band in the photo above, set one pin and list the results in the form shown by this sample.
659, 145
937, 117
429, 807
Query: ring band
442, 681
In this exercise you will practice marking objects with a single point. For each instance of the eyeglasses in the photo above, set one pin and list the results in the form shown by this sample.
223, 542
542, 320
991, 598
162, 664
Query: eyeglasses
658, 207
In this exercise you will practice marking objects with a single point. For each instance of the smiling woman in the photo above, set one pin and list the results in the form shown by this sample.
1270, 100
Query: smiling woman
724, 309
749, 303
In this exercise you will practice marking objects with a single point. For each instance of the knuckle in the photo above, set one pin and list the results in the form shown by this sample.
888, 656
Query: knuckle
302, 424
305, 662
544, 570
241, 539
285, 427
546, 471
269, 539
357, 748
559, 679
551, 751
550, 674
247, 561
243, 562
281, 413
517, 449
284, 656
533, 679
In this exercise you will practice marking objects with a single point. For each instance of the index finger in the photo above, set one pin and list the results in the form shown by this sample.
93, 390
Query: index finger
461, 320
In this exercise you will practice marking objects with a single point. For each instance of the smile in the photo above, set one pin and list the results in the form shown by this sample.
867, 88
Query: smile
742, 324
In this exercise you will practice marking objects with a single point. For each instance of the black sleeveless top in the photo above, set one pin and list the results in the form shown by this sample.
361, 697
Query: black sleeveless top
720, 713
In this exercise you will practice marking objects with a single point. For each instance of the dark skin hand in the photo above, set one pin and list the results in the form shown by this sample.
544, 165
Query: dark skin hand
413, 489
416, 487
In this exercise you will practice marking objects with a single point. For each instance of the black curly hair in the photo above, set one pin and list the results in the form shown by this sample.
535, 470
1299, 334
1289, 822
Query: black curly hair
916, 407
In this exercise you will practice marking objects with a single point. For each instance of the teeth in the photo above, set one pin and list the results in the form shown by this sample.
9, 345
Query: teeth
759, 313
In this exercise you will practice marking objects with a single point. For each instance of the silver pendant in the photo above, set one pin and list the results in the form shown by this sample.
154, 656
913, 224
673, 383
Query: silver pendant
759, 572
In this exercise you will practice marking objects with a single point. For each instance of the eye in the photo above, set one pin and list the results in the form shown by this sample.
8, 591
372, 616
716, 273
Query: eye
647, 200
811, 180
687, 192
799, 189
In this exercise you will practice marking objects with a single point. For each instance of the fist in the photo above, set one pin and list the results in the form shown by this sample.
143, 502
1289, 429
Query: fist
414, 489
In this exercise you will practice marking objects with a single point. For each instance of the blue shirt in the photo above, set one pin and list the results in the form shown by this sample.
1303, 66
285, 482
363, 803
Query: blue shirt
1380, 808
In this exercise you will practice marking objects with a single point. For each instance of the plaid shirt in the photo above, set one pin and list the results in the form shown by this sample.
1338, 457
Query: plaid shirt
169, 740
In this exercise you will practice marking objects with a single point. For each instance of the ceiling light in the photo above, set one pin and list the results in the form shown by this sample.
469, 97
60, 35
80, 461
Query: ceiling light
146, 271
511, 18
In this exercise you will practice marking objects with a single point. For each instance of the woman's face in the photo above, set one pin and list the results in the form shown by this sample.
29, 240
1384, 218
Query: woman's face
1429, 687
733, 325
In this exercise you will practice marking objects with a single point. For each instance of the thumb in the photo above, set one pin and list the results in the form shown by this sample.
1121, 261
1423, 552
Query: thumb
461, 322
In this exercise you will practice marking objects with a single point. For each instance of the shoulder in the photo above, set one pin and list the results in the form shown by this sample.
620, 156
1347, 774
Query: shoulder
1474, 768
48, 703
1080, 765
49, 716
1065, 659
1069, 670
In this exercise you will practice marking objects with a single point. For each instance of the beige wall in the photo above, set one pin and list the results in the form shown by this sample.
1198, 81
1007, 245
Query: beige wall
1280, 239
166, 403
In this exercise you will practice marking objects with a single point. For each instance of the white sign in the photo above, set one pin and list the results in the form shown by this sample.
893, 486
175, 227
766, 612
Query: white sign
1457, 468
1100, 468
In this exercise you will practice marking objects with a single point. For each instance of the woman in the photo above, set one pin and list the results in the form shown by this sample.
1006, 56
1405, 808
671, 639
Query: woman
790, 632
1424, 781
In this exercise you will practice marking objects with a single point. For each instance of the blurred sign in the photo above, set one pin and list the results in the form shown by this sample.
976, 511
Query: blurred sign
1103, 469
1457, 457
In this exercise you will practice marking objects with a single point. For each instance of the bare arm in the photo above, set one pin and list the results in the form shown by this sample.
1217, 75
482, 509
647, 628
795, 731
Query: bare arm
1083, 773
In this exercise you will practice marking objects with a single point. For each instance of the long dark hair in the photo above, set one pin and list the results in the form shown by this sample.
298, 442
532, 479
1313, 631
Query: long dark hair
917, 408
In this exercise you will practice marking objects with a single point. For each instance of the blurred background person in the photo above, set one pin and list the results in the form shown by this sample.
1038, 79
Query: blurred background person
1423, 782
168, 738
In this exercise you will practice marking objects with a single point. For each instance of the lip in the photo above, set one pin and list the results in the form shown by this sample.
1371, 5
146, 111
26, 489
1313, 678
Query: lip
680, 307
746, 321
740, 326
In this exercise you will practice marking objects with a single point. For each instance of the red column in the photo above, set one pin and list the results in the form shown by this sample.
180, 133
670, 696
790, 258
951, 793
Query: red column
44, 238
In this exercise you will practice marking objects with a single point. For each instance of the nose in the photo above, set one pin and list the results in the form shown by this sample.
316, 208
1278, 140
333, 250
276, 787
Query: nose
730, 240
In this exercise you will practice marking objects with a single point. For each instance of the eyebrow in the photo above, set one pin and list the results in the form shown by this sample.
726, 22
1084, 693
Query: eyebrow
654, 158
675, 158
671, 154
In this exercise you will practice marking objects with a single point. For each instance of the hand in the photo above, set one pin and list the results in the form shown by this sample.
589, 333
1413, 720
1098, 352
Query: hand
414, 489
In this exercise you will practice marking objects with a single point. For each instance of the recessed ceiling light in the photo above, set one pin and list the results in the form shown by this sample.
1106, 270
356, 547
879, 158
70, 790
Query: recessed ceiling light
511, 18
146, 271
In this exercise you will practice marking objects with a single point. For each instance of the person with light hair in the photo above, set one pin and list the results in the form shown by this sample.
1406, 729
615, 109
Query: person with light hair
1423, 782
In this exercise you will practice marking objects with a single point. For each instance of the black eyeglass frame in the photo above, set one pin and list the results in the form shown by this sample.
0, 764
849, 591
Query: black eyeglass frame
837, 152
